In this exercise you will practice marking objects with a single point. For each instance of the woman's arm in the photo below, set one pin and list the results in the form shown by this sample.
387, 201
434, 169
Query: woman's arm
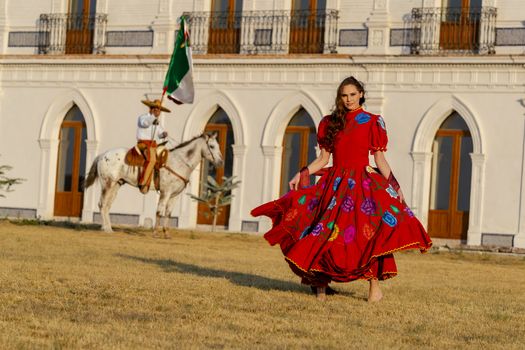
385, 170
313, 167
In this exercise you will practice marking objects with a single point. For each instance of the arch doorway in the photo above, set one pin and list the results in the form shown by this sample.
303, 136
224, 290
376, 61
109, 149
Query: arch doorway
71, 165
450, 180
298, 146
220, 123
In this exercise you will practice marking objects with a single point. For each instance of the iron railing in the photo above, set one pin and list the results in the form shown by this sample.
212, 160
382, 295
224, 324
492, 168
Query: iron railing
264, 32
453, 30
72, 34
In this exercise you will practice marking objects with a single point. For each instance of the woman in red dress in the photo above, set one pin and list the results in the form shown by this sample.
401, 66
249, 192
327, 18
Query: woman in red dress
347, 225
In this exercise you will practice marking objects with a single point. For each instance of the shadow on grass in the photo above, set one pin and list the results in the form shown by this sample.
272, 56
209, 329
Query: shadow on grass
77, 226
239, 278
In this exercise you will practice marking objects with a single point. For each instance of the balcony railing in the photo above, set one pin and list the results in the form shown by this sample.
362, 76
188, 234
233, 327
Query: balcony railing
264, 32
72, 34
453, 30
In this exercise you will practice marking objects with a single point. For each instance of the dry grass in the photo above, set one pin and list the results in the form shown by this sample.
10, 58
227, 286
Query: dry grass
66, 288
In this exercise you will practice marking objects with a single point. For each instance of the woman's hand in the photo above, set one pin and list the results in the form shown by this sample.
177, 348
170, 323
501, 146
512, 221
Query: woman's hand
294, 183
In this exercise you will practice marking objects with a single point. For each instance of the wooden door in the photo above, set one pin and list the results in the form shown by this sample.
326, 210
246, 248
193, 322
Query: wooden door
80, 26
225, 26
450, 194
307, 26
459, 25
204, 216
71, 168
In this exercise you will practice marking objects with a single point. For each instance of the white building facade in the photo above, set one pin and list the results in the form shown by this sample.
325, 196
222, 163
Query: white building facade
447, 75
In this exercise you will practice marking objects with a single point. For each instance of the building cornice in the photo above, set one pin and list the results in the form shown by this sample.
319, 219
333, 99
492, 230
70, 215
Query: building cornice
283, 60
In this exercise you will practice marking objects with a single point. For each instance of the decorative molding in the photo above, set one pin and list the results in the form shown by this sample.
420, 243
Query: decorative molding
23, 39
510, 36
400, 37
353, 37
129, 38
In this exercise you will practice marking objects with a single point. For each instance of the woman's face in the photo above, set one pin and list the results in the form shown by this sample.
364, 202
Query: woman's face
350, 96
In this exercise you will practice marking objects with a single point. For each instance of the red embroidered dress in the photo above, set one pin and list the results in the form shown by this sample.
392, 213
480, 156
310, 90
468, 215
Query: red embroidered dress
348, 224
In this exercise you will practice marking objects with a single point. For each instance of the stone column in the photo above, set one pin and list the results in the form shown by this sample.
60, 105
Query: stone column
519, 239
421, 185
271, 179
89, 206
236, 209
46, 188
476, 199
4, 29
378, 25
163, 29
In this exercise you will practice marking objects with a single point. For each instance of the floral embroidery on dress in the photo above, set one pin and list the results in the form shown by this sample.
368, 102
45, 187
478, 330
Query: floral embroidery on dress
362, 118
317, 229
337, 181
312, 204
368, 231
389, 219
332, 204
348, 204
334, 234
302, 200
351, 183
394, 208
368, 207
366, 184
291, 214
393, 193
370, 169
349, 234
409, 212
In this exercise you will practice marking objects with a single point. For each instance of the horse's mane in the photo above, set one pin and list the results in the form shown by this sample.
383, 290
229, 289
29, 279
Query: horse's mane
185, 143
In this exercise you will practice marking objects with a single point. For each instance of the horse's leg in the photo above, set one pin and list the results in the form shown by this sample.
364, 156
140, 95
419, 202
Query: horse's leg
109, 192
167, 213
161, 210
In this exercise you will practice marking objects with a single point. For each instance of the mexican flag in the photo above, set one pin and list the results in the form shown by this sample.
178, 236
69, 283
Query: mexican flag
179, 78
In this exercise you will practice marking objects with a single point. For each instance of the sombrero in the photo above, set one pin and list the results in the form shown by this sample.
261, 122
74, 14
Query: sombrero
157, 104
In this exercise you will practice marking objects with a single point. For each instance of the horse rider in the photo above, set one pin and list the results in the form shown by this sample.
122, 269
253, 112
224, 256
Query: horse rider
149, 132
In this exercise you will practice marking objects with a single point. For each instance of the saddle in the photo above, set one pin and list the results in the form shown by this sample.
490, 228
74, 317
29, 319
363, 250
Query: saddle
134, 157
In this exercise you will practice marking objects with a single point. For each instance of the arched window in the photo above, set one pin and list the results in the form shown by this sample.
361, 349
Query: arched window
298, 147
220, 123
71, 165
450, 181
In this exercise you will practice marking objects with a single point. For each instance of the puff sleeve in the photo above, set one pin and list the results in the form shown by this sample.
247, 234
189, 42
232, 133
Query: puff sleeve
378, 136
321, 133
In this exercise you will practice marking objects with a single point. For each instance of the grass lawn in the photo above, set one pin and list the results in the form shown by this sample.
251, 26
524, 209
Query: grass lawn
67, 288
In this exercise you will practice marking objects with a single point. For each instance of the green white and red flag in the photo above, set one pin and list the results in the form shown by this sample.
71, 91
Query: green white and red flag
179, 77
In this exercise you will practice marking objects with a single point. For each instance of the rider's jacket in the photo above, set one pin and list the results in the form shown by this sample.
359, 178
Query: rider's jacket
146, 130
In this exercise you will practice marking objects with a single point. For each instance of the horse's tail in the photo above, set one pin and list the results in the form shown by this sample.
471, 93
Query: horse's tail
92, 175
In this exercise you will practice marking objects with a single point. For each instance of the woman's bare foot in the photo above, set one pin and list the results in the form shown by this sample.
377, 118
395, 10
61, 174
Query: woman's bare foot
374, 293
321, 293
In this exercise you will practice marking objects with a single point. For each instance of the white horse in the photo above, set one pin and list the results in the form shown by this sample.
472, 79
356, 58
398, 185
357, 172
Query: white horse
112, 172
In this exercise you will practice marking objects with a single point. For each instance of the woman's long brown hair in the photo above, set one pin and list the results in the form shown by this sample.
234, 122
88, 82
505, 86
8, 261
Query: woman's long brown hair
336, 120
